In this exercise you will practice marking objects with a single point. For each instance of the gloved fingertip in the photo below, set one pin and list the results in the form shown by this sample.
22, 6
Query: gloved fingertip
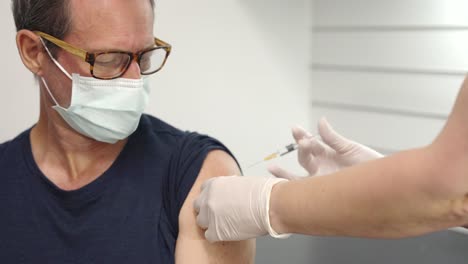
202, 221
196, 205
324, 124
208, 183
273, 169
277, 171
211, 237
298, 127
299, 132
326, 131
323, 119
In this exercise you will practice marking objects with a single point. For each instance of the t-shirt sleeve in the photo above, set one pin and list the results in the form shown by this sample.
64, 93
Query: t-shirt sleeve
186, 164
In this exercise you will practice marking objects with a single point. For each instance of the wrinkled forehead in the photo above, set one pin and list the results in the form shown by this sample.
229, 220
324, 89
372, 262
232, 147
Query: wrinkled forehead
111, 24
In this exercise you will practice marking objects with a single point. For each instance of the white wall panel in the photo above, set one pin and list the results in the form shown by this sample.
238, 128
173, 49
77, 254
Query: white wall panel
407, 50
386, 72
383, 132
424, 95
391, 13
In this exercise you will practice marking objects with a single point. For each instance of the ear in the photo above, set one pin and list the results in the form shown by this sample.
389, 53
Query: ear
31, 50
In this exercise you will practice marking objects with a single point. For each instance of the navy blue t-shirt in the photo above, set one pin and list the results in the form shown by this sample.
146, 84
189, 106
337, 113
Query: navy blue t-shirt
127, 215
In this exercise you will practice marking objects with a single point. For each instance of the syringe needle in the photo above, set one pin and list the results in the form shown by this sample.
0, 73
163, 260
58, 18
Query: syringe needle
255, 164
267, 158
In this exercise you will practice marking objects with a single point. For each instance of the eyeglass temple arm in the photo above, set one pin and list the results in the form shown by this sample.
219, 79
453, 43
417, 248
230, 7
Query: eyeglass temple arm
161, 43
82, 53
73, 50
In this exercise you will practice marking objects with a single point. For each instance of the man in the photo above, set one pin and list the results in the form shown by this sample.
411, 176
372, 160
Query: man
410, 193
94, 180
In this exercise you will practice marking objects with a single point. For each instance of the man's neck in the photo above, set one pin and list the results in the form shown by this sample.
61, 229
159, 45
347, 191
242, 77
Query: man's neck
67, 158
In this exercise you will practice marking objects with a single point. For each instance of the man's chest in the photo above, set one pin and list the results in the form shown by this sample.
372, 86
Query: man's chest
116, 229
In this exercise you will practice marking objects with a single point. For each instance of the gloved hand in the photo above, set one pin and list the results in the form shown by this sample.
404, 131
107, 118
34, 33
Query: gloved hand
320, 158
236, 208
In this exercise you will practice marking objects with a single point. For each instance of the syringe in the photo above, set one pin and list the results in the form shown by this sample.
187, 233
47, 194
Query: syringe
279, 153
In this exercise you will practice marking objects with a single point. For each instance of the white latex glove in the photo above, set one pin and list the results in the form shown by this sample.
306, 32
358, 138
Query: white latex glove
235, 208
320, 158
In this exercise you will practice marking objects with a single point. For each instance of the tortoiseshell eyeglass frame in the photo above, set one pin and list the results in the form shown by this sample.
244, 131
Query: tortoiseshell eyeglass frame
91, 57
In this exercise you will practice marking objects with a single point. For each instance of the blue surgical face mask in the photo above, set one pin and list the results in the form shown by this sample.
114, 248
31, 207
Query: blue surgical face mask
104, 110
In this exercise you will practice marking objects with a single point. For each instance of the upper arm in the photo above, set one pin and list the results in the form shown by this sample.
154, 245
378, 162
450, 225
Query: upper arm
192, 247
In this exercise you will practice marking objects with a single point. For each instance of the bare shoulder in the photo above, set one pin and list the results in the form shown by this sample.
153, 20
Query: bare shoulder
191, 244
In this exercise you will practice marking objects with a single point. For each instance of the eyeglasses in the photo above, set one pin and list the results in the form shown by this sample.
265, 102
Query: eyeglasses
113, 64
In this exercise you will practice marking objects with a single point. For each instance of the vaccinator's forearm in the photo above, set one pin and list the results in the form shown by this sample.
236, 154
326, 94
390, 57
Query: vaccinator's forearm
399, 196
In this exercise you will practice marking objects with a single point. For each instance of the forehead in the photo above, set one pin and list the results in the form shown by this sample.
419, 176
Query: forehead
126, 24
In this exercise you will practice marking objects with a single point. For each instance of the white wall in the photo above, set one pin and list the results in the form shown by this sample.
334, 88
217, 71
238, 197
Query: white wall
386, 73
238, 71
19, 96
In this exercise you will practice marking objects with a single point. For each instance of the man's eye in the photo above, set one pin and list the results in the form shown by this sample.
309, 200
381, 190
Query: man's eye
109, 60
145, 64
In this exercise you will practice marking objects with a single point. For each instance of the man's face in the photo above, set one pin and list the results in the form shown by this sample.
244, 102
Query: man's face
103, 25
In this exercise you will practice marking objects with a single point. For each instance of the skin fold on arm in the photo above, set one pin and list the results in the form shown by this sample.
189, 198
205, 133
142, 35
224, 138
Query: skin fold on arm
407, 194
192, 247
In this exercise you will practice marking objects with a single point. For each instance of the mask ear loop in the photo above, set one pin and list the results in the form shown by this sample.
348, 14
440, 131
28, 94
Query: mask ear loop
59, 66
55, 62
47, 88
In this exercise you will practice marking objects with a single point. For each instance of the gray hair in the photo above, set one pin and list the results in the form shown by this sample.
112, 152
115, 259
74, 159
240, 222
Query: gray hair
49, 16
